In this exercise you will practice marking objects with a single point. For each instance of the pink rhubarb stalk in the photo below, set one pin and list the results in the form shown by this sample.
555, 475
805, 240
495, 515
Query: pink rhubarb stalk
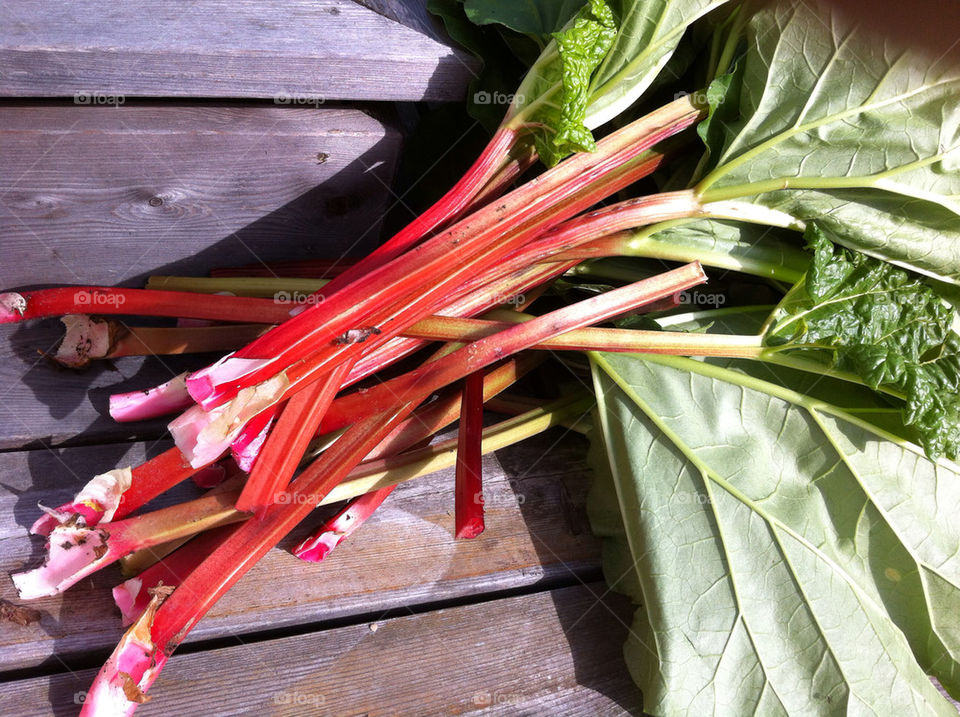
341, 526
480, 237
74, 552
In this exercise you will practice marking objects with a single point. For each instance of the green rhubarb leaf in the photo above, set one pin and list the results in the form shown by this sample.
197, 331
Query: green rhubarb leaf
863, 316
598, 66
788, 557
537, 18
835, 123
648, 34
553, 96
502, 65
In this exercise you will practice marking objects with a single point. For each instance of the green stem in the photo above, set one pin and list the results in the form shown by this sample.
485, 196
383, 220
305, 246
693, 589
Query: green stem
260, 286
750, 189
781, 392
399, 469
737, 21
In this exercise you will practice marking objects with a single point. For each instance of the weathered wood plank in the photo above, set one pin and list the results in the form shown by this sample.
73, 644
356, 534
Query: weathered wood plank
303, 50
552, 653
110, 195
536, 531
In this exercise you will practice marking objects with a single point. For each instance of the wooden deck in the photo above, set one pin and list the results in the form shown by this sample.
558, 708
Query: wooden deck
199, 162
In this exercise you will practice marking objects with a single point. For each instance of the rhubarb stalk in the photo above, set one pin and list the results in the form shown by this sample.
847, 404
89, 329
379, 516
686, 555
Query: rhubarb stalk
74, 552
469, 484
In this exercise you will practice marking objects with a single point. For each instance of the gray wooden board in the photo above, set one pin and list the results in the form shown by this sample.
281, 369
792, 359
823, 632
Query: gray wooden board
536, 531
554, 652
291, 50
94, 195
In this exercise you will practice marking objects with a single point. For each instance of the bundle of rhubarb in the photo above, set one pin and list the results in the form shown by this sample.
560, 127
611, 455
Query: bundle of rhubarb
779, 506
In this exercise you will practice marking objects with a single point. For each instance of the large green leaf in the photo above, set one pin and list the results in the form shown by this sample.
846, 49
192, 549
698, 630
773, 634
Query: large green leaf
789, 557
648, 34
825, 120
531, 17
599, 65
860, 315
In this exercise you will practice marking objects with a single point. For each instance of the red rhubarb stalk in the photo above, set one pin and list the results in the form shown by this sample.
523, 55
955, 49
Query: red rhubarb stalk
44, 303
238, 372
238, 553
150, 479
341, 526
469, 483
132, 596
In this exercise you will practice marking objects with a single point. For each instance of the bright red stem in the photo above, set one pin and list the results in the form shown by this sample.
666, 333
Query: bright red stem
469, 482
150, 479
457, 282
105, 300
341, 526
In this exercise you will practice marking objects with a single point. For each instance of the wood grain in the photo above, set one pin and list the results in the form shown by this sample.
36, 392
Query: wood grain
298, 49
95, 195
556, 652
405, 556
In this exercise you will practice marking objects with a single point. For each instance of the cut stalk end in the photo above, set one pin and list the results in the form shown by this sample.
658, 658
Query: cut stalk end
12, 308
121, 685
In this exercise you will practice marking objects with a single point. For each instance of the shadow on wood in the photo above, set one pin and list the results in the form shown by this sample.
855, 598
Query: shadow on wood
317, 188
